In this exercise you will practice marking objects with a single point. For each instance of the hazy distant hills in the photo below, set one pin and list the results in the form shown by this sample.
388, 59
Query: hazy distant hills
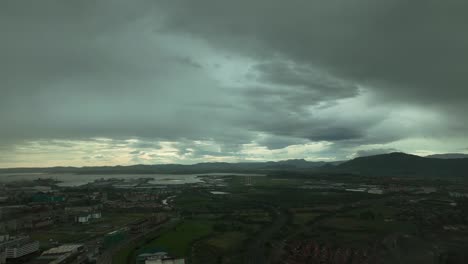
212, 167
401, 164
393, 164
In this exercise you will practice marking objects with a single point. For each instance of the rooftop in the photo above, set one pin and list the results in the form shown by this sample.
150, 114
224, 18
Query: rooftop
62, 249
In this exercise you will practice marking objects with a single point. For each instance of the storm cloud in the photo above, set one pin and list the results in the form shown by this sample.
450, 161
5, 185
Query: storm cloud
208, 80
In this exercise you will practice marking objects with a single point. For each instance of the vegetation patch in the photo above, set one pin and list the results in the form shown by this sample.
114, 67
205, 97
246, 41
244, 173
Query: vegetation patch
177, 240
304, 218
228, 242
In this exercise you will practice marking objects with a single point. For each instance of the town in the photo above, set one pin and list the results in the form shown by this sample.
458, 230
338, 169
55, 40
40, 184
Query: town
233, 219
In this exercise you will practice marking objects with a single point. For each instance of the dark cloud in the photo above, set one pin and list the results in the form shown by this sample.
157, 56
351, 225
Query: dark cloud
274, 72
303, 82
94, 70
414, 50
278, 142
371, 152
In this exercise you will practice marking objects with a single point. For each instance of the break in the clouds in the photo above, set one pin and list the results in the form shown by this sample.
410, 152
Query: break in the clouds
123, 82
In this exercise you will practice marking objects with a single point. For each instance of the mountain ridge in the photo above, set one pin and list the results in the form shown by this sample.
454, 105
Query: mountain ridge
396, 164
402, 164
205, 167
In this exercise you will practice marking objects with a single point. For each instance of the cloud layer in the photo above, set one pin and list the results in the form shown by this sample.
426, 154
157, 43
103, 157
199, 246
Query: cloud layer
230, 80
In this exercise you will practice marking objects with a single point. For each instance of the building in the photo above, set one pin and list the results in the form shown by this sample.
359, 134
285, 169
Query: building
82, 219
458, 194
21, 249
18, 247
96, 215
138, 226
158, 258
165, 261
62, 254
85, 218
84, 209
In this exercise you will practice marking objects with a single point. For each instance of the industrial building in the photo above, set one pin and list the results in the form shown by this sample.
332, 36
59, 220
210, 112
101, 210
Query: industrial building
158, 258
17, 247
61, 254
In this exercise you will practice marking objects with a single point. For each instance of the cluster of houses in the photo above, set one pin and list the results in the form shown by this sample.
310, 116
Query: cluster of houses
85, 214
25, 218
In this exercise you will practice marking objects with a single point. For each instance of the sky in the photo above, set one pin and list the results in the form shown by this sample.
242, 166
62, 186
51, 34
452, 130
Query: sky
118, 82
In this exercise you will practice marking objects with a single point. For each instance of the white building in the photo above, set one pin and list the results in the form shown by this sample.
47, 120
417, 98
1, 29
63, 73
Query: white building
96, 215
88, 217
82, 219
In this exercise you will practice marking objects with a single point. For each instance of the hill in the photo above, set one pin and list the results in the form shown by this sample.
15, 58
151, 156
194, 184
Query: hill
401, 164
211, 167
393, 165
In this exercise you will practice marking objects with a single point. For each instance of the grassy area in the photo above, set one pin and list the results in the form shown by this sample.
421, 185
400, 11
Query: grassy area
304, 218
352, 230
177, 240
253, 216
130, 251
122, 256
229, 241
220, 248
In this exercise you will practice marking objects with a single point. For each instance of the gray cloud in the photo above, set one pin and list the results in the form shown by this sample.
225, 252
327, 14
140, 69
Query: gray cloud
415, 51
279, 142
371, 152
349, 72
304, 82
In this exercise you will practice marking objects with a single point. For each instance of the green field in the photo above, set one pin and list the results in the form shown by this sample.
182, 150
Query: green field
304, 218
177, 240
220, 248
229, 241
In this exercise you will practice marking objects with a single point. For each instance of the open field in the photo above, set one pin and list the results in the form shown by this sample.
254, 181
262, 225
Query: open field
304, 218
178, 239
